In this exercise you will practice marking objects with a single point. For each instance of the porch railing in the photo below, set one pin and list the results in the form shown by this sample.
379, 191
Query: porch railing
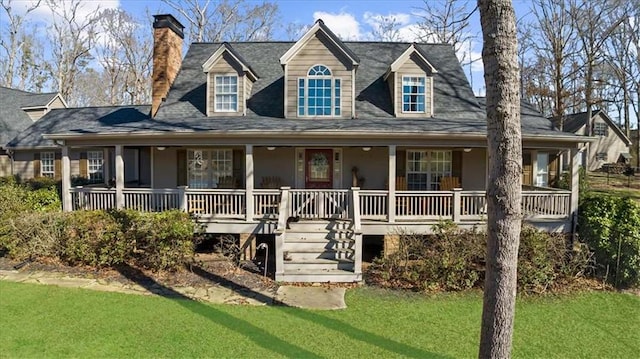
93, 198
456, 205
319, 203
152, 199
220, 203
266, 203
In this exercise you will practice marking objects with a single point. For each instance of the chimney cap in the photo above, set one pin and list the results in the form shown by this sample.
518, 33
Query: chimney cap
167, 20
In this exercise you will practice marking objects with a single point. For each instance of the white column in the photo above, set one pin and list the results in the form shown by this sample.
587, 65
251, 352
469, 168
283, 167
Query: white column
66, 180
392, 183
249, 182
457, 204
119, 177
576, 159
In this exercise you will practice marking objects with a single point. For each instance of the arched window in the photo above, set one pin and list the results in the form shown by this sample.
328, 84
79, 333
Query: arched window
319, 93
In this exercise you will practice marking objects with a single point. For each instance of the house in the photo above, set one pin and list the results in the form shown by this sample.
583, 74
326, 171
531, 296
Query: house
611, 144
18, 110
321, 145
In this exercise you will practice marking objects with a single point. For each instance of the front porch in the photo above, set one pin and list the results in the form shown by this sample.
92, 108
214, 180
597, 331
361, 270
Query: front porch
378, 210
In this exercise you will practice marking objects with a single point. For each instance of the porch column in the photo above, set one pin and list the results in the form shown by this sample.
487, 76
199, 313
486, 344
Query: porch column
249, 182
392, 184
576, 157
119, 177
66, 180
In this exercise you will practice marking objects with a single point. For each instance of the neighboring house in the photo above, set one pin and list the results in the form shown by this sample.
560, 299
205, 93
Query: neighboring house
611, 144
18, 110
353, 139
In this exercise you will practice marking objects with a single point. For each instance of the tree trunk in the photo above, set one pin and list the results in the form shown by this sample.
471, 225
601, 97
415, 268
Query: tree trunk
502, 76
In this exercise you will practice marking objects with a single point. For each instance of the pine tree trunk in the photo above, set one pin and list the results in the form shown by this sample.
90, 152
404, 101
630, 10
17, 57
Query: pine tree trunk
502, 76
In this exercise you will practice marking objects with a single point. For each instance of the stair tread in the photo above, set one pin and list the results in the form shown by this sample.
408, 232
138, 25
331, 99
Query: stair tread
319, 261
317, 240
318, 271
332, 230
320, 250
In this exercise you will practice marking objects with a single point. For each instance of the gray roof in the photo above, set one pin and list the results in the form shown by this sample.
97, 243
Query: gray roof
457, 111
12, 118
532, 121
82, 120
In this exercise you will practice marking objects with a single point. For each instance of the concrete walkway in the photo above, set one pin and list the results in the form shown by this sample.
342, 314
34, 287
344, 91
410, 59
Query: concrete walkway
302, 297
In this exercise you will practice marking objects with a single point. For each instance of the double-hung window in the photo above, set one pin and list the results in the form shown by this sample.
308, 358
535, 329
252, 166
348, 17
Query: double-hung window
47, 164
319, 93
426, 168
413, 94
210, 168
226, 88
95, 166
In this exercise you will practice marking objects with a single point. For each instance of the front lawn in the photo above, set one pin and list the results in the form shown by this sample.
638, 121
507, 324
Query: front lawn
47, 321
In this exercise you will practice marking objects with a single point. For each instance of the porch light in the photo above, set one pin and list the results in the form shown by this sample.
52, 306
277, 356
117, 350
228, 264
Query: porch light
467, 150
366, 149
161, 148
271, 148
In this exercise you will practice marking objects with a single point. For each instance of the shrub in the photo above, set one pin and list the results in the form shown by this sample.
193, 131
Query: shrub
94, 238
33, 235
611, 227
454, 259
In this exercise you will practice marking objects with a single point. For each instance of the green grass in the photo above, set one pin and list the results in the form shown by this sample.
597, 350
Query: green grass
615, 185
47, 321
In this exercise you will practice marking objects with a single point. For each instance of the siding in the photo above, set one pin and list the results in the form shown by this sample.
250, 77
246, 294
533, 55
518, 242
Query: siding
224, 66
474, 169
56, 104
319, 50
164, 168
372, 166
611, 144
23, 164
277, 163
36, 114
5, 166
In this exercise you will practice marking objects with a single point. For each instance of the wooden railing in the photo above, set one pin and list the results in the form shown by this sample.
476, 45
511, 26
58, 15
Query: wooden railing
319, 203
374, 205
546, 204
151, 199
93, 198
414, 205
219, 203
266, 202
456, 205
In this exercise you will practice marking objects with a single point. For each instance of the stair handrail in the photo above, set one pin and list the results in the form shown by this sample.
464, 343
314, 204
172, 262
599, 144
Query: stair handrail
354, 212
281, 228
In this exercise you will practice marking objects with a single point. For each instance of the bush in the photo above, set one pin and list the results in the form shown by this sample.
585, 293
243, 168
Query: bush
157, 241
611, 227
454, 259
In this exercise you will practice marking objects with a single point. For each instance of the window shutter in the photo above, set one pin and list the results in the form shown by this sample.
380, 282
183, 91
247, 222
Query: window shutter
57, 169
84, 170
526, 169
401, 162
456, 164
181, 160
238, 168
36, 165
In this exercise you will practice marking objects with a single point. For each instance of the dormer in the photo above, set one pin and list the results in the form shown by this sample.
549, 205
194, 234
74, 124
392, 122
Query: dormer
319, 74
229, 82
410, 80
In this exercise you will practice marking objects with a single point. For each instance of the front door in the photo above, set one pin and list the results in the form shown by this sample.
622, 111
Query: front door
318, 169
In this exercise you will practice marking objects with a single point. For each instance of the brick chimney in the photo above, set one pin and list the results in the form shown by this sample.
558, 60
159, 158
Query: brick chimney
167, 57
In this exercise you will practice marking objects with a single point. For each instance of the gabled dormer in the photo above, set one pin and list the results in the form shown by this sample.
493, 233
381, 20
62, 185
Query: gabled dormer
229, 82
410, 80
319, 73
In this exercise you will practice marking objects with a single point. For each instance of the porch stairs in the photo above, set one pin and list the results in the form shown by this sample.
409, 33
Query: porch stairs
320, 251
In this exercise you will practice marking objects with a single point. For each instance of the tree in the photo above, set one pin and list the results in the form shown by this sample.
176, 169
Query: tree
228, 20
72, 36
502, 78
12, 42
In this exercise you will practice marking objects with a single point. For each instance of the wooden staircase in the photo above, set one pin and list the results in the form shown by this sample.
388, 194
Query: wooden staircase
320, 251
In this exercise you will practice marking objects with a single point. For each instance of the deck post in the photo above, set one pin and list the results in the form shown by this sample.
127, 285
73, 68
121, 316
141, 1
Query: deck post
357, 229
119, 178
392, 184
66, 180
249, 182
457, 204
576, 157
182, 198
